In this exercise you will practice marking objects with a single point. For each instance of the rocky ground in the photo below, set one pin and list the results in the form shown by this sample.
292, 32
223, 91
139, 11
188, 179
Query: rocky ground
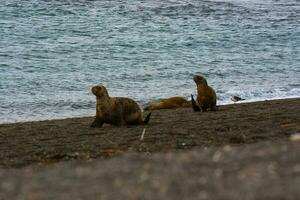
242, 151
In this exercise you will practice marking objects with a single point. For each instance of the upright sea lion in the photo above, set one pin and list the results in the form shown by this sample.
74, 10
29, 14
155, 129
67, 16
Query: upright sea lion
116, 110
172, 102
206, 98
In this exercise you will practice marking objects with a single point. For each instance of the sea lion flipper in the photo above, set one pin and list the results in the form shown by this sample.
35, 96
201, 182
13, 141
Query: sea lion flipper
215, 108
194, 104
146, 120
97, 123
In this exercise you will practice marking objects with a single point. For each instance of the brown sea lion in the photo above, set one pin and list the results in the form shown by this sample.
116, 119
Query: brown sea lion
206, 98
116, 110
172, 102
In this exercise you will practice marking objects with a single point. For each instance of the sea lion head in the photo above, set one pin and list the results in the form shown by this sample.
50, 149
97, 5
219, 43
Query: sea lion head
200, 80
99, 91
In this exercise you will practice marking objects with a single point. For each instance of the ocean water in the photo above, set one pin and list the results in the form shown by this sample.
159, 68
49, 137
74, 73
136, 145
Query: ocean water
52, 52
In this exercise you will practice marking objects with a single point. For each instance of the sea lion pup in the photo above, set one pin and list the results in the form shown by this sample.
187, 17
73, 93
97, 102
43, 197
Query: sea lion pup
116, 110
172, 102
206, 98
236, 98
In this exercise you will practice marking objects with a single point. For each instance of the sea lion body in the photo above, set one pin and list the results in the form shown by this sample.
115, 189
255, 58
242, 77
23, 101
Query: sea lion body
172, 102
206, 97
116, 110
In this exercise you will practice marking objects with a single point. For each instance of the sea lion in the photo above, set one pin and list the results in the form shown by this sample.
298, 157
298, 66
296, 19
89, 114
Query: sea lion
236, 98
116, 110
172, 102
206, 98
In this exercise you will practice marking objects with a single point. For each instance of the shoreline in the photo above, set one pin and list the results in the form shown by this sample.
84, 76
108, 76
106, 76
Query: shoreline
47, 141
86, 116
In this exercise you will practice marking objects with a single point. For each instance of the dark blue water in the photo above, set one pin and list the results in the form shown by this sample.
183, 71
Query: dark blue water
52, 52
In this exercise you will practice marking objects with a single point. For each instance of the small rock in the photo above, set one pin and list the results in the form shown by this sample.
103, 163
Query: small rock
295, 137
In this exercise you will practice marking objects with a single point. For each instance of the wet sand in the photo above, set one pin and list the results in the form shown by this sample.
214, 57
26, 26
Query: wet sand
242, 151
